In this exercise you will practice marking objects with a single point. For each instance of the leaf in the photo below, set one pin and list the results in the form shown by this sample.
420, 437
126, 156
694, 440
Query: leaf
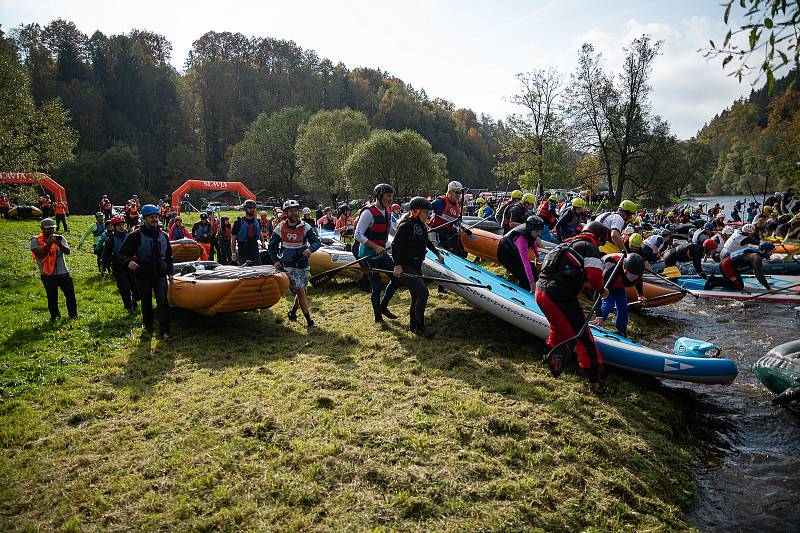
770, 81
727, 13
726, 61
727, 39
768, 23
784, 57
753, 38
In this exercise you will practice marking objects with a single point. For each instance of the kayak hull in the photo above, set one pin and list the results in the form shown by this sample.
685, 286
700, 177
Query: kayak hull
779, 369
24, 211
184, 250
518, 307
757, 292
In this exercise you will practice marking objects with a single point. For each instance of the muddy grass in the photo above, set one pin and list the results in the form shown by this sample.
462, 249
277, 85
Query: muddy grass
249, 421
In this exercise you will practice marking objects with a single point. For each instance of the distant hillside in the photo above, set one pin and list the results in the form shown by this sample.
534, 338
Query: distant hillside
756, 141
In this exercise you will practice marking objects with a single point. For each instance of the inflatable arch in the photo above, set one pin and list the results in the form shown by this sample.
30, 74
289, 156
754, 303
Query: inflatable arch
34, 178
202, 185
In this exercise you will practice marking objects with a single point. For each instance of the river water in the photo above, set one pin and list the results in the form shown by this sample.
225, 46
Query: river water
750, 478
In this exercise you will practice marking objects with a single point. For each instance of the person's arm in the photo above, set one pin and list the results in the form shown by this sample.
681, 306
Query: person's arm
274, 241
616, 238
522, 247
128, 249
169, 261
757, 263
41, 251
313, 240
86, 234
697, 258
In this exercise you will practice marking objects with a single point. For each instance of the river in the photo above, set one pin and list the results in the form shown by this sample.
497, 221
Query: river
750, 478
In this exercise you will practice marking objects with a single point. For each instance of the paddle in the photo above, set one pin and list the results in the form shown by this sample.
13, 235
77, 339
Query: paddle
552, 358
670, 281
435, 279
773, 291
328, 274
655, 298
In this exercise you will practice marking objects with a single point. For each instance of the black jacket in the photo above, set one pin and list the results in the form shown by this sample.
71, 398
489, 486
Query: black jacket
155, 267
410, 243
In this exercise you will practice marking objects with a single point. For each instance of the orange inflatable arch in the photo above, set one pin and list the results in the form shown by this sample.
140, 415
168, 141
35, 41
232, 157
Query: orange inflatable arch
202, 185
35, 178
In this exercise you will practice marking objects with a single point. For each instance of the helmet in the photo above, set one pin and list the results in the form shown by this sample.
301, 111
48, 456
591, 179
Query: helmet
203, 216
381, 189
528, 198
709, 225
395, 206
516, 194
628, 206
263, 214
148, 210
306, 210
553, 198
671, 214
598, 230
748, 228
578, 202
355, 204
105, 196
250, 203
418, 202
766, 246
344, 207
290, 203
327, 209
455, 186
659, 211
659, 241
534, 223
767, 210
710, 244
98, 215
727, 230
48, 223
635, 240
634, 264
480, 200
491, 199
119, 220
664, 232
628, 230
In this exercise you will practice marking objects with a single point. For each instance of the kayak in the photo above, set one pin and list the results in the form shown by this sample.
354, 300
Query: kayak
780, 268
484, 245
330, 257
24, 211
779, 369
184, 250
696, 284
208, 288
489, 224
518, 307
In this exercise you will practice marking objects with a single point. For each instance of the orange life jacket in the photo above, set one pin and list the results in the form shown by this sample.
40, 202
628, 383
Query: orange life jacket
48, 261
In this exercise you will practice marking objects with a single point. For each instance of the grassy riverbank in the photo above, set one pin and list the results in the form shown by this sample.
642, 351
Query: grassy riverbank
250, 421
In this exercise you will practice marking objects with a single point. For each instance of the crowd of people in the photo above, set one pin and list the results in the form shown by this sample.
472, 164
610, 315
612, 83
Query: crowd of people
603, 254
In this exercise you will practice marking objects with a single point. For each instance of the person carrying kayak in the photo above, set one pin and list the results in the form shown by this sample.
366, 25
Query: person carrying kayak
565, 272
328, 221
112, 260
512, 252
48, 250
630, 275
615, 221
517, 214
291, 244
148, 254
739, 261
246, 236
447, 218
570, 218
408, 253
691, 252
504, 211
202, 232
372, 233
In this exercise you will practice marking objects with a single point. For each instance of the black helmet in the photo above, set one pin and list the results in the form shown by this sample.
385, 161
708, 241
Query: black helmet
99, 215
250, 203
598, 230
418, 202
381, 189
634, 264
534, 223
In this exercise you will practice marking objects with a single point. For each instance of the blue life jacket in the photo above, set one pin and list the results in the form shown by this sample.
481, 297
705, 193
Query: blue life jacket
144, 252
99, 229
740, 252
244, 227
118, 240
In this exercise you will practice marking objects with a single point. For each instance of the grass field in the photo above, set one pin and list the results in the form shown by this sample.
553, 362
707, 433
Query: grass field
250, 421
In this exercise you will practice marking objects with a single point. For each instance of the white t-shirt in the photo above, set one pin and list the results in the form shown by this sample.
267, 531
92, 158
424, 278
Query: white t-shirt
613, 221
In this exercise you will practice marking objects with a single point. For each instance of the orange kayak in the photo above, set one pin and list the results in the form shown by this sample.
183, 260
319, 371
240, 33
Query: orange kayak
484, 244
184, 250
227, 289
329, 257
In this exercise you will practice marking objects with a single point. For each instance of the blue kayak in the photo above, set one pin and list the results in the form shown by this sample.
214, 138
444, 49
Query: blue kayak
518, 307
775, 268
755, 291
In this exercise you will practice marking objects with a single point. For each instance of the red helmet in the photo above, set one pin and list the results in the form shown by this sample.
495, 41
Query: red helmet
710, 244
117, 220
395, 206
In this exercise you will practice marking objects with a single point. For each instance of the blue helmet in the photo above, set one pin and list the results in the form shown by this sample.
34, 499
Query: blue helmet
709, 225
149, 209
766, 246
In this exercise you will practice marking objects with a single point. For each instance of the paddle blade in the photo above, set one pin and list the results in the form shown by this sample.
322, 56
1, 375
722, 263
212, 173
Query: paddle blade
672, 272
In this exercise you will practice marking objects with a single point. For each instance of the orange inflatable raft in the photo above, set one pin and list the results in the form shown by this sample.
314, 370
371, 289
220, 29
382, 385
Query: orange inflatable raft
484, 244
184, 250
209, 288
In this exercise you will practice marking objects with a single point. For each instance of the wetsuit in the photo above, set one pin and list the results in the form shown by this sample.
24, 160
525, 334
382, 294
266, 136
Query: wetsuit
567, 268
150, 249
373, 225
685, 253
512, 253
732, 267
506, 211
617, 292
126, 282
408, 251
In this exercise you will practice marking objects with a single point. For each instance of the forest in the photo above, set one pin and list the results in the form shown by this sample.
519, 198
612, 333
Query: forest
110, 114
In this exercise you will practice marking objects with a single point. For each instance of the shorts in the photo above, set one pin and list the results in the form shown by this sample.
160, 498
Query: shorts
298, 278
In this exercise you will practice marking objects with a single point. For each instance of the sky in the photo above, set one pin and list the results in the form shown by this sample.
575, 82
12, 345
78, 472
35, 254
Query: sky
464, 51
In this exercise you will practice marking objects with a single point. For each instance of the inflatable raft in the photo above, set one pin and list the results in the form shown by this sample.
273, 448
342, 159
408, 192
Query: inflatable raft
209, 288
184, 250
484, 245
779, 370
489, 225
330, 257
757, 292
518, 307
24, 211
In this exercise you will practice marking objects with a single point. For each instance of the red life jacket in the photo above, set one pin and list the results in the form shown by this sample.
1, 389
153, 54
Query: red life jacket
45, 201
451, 212
60, 208
4, 202
293, 237
378, 232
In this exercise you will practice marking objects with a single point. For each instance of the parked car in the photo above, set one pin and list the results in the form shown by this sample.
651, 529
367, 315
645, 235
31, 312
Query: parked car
259, 206
217, 206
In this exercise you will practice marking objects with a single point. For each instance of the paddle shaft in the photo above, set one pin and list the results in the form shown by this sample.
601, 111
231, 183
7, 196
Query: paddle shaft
330, 273
670, 295
431, 278
774, 291
671, 282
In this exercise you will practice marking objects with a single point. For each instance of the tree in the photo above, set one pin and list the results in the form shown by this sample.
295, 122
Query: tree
116, 172
772, 28
184, 163
403, 159
265, 157
323, 145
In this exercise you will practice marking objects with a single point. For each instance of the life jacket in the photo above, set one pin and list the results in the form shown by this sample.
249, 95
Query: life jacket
144, 253
546, 213
99, 229
45, 201
700, 235
378, 232
177, 232
248, 230
118, 240
203, 232
264, 227
48, 262
737, 257
328, 223
734, 243
566, 267
450, 213
133, 211
564, 259
294, 242
60, 209
485, 211
509, 240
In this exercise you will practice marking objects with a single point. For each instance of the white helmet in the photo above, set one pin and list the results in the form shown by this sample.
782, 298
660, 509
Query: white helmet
748, 228
629, 230
306, 210
455, 186
727, 230
290, 203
